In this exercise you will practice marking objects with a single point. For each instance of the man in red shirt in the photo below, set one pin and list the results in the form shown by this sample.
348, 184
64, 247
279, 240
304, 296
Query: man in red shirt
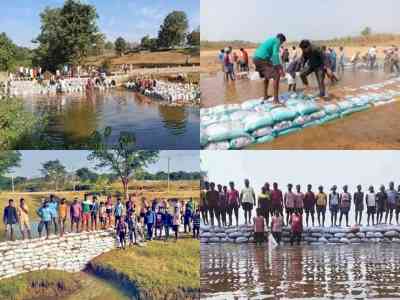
277, 199
245, 61
233, 203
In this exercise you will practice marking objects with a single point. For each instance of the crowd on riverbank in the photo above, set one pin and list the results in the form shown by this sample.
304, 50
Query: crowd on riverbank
171, 92
133, 223
272, 60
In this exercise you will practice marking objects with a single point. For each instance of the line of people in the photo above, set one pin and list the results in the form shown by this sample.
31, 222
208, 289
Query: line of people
218, 204
154, 220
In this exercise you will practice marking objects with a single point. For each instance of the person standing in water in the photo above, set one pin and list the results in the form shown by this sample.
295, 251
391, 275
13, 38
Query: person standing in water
276, 226
296, 227
309, 204
268, 63
233, 203
247, 200
398, 205
358, 204
392, 199
321, 202
259, 225
264, 202
334, 205
381, 204
370, 201
345, 204
289, 201
212, 201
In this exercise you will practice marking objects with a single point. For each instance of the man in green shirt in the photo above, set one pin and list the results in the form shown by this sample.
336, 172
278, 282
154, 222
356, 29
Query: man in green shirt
268, 63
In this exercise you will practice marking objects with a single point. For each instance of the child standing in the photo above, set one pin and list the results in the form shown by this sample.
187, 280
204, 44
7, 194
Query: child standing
159, 222
370, 199
121, 229
102, 215
259, 225
167, 221
196, 224
277, 225
149, 220
187, 219
296, 227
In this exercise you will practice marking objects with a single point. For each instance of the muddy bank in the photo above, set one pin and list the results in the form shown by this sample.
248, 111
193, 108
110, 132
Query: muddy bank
142, 293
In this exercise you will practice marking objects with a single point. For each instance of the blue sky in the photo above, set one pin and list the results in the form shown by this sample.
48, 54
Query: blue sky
31, 162
255, 20
131, 19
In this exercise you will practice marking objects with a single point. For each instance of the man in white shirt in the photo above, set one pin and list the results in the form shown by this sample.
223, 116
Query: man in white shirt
372, 57
247, 200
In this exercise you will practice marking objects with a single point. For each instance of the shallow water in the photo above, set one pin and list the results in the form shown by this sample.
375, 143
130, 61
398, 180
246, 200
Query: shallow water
73, 118
308, 272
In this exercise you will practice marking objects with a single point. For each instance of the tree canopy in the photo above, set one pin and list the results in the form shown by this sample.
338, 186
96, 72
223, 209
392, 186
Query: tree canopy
173, 30
193, 38
54, 171
7, 52
120, 45
67, 34
9, 160
85, 174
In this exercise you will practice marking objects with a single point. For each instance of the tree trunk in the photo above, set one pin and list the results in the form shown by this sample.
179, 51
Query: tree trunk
125, 183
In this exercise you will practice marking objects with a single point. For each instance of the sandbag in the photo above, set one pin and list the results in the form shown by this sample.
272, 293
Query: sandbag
203, 138
225, 131
282, 126
301, 120
240, 115
218, 146
257, 120
268, 130
331, 109
241, 240
250, 104
241, 142
345, 105
280, 114
312, 124
354, 110
288, 131
307, 108
329, 118
265, 139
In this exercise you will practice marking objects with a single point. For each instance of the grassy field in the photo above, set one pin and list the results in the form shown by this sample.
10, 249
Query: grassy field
147, 189
149, 59
36, 285
158, 271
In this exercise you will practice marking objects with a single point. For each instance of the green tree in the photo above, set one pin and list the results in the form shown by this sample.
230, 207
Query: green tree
173, 30
85, 174
121, 158
7, 53
109, 45
120, 46
67, 34
8, 161
99, 45
193, 38
366, 31
54, 171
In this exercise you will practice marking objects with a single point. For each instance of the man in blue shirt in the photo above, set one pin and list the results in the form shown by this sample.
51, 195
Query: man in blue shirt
268, 63
149, 220
53, 207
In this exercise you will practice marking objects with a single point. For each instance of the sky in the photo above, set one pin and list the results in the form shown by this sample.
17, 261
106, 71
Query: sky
256, 20
303, 167
31, 161
131, 19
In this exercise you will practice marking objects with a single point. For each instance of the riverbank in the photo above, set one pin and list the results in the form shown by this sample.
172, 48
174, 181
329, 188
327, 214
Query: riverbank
158, 271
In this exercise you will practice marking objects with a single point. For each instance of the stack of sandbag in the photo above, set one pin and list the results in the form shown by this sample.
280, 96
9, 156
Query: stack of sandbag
232, 234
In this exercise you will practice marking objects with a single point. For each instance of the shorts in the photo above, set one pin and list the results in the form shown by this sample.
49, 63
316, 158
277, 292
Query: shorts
8, 226
266, 69
203, 209
108, 211
247, 206
371, 209
142, 215
344, 210
277, 207
175, 227
309, 210
291, 79
359, 207
289, 210
93, 215
334, 208
380, 208
321, 209
265, 211
159, 226
85, 217
391, 205
24, 223
75, 219
259, 237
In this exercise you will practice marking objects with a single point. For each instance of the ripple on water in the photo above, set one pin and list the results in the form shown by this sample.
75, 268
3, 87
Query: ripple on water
345, 271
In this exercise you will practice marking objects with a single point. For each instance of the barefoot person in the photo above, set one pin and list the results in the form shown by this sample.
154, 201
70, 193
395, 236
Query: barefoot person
277, 226
23, 216
344, 204
10, 219
247, 200
334, 205
321, 202
264, 202
299, 200
370, 201
259, 224
358, 204
296, 227
212, 201
314, 59
289, 201
381, 204
233, 203
391, 202
62, 215
309, 204
268, 63
203, 203
277, 199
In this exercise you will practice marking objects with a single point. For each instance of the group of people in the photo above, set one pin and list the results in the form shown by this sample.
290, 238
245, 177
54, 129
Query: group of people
220, 203
153, 220
233, 62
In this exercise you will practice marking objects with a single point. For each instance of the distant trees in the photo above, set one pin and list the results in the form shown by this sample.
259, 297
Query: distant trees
84, 174
193, 38
7, 52
67, 34
366, 31
9, 160
54, 171
149, 43
173, 30
109, 45
120, 46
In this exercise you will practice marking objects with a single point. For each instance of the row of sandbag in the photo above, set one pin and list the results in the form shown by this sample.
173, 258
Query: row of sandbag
312, 235
236, 126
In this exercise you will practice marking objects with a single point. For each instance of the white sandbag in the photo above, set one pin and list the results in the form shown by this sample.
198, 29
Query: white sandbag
235, 235
218, 146
257, 120
254, 76
344, 240
203, 241
213, 240
240, 115
241, 240
280, 114
331, 108
263, 131
250, 104
241, 142
282, 126
323, 240
307, 108
391, 234
206, 235
225, 131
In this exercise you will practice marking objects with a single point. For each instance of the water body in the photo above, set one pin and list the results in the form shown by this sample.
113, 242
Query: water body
73, 118
300, 272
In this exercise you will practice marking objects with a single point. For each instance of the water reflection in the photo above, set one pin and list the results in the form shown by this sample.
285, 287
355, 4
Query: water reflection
345, 271
73, 118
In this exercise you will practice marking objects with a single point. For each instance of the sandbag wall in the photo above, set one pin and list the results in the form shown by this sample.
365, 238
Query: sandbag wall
311, 235
69, 253
235, 126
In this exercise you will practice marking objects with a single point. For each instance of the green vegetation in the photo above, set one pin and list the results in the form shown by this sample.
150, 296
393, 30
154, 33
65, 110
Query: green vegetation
54, 171
16, 124
120, 46
12, 56
173, 30
158, 270
36, 285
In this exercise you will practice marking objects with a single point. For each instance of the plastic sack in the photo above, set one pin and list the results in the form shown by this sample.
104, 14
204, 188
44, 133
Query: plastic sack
331, 108
280, 114
345, 105
225, 131
312, 124
250, 104
282, 126
301, 120
268, 130
329, 118
241, 142
307, 108
203, 138
240, 115
218, 146
288, 131
225, 109
265, 139
354, 110
257, 120
266, 106
317, 115
254, 76
207, 120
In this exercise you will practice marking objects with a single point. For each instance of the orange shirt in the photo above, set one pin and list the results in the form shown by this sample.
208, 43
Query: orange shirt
63, 210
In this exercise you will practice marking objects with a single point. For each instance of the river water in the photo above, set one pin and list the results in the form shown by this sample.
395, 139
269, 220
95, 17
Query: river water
72, 118
300, 272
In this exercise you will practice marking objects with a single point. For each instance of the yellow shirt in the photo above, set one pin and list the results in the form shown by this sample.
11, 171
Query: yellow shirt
62, 210
321, 199
23, 216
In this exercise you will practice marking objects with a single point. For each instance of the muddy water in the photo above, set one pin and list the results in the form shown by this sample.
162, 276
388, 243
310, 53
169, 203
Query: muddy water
307, 272
73, 118
215, 90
